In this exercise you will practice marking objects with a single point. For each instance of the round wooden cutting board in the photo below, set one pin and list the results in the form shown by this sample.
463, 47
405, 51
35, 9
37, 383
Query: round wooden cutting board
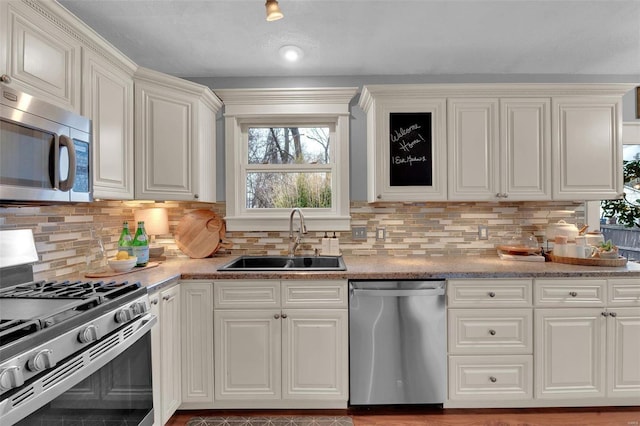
200, 234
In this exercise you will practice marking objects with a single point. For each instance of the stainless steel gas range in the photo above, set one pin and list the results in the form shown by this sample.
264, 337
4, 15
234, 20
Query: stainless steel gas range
74, 351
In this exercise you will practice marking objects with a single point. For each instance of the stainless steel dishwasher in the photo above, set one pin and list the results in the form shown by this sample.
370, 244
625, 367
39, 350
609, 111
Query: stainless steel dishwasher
397, 342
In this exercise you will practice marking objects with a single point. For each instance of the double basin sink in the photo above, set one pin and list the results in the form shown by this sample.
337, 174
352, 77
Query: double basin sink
285, 263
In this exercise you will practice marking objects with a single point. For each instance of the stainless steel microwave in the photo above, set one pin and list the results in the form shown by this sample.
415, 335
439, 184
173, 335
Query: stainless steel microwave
45, 151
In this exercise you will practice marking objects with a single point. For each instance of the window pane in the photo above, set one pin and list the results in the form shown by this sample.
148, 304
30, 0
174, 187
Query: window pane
286, 190
288, 145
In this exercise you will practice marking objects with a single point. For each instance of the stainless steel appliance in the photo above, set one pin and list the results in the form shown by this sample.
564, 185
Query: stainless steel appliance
74, 352
45, 151
397, 342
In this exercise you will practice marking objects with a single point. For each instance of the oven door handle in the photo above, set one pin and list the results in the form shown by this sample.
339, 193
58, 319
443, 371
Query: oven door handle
76, 368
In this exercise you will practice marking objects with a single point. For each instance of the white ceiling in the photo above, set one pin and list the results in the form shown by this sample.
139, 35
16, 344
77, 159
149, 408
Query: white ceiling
230, 38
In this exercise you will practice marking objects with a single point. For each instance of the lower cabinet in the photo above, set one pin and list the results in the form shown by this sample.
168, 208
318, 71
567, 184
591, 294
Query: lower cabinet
587, 355
281, 344
166, 353
490, 342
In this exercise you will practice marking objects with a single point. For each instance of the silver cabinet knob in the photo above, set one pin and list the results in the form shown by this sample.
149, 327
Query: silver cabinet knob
573, 293
4, 78
11, 377
379, 197
613, 314
493, 379
41, 361
604, 314
154, 301
196, 196
284, 315
492, 294
276, 316
492, 332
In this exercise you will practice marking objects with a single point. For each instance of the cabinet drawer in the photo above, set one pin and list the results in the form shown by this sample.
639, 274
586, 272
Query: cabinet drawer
321, 294
506, 293
623, 291
490, 331
570, 292
246, 294
479, 378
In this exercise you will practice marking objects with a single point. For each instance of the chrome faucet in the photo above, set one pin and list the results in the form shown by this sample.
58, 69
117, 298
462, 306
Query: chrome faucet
295, 242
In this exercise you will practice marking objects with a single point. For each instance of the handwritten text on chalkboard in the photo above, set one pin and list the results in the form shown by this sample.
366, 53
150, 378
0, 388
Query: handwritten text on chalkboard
410, 149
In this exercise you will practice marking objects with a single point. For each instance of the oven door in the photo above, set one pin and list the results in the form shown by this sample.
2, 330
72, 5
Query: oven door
108, 383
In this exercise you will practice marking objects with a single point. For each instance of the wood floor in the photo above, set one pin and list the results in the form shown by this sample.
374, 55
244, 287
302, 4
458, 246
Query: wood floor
605, 416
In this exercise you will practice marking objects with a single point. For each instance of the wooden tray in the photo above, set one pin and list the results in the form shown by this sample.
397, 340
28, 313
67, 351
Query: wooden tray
110, 273
591, 261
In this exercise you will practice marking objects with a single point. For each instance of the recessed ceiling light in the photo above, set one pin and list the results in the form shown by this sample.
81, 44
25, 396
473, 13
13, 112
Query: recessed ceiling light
291, 53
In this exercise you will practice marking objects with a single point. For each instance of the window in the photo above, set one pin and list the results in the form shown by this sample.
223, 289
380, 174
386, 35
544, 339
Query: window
287, 148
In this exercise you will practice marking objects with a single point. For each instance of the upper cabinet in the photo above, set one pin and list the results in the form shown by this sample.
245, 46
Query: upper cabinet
107, 98
406, 144
175, 138
587, 146
38, 56
499, 149
512, 142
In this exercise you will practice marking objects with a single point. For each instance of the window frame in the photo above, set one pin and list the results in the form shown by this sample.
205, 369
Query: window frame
277, 108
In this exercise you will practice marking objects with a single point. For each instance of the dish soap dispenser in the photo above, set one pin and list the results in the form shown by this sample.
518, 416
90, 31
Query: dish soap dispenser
326, 246
334, 246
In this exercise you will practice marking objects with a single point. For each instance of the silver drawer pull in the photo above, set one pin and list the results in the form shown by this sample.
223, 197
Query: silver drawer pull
493, 379
492, 294
573, 293
613, 314
492, 332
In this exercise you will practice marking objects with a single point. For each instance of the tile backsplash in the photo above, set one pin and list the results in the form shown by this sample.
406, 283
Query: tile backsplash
65, 245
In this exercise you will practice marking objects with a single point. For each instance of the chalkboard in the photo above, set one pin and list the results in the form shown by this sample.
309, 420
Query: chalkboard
410, 149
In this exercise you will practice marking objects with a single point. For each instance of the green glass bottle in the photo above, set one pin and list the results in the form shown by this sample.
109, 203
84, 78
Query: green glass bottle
141, 245
125, 242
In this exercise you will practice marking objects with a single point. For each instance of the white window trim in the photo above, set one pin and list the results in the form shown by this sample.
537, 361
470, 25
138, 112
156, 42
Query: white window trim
263, 106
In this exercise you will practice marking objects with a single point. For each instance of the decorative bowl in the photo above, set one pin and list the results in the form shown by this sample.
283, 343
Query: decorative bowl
613, 254
123, 265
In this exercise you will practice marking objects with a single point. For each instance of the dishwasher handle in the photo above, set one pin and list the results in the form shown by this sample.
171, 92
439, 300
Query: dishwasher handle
400, 293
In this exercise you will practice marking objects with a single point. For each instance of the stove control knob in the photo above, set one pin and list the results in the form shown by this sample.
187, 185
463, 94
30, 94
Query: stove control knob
41, 361
88, 334
124, 315
138, 308
11, 377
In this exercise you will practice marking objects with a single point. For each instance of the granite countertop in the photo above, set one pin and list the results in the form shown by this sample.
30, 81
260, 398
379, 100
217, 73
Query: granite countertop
380, 267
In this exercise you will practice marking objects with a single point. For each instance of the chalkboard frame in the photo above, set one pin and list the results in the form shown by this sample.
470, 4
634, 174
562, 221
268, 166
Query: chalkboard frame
411, 150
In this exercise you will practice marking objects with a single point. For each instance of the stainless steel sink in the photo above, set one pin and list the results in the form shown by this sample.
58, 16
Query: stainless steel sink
285, 263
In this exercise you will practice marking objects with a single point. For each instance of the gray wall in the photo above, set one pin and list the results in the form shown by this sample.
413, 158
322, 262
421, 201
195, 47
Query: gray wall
358, 146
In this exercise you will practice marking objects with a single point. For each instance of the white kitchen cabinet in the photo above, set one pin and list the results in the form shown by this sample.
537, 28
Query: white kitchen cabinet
499, 148
379, 102
107, 93
166, 353
587, 157
587, 344
39, 55
490, 342
281, 344
175, 123
197, 344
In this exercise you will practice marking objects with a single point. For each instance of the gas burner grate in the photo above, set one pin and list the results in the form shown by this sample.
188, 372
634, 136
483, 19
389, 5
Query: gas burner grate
70, 290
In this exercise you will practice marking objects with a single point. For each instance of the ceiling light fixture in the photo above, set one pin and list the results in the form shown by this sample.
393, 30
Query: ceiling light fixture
291, 53
273, 10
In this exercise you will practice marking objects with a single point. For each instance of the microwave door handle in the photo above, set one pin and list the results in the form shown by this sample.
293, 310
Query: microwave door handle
67, 184
54, 163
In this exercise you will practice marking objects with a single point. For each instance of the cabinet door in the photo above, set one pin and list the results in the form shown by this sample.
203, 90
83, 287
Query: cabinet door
587, 148
42, 59
170, 352
473, 143
247, 354
108, 102
525, 143
570, 353
197, 342
315, 354
623, 343
165, 133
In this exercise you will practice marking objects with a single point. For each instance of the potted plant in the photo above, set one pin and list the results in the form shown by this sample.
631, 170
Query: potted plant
624, 211
607, 250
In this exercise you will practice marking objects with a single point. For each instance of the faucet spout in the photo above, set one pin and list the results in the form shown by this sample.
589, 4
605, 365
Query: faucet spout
294, 242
